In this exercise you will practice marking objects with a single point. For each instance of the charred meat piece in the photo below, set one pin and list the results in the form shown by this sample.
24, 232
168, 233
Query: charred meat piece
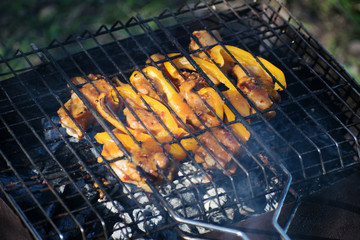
259, 91
219, 153
77, 108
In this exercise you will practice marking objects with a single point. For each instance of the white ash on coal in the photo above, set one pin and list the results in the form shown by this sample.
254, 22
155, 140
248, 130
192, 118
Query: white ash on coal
121, 231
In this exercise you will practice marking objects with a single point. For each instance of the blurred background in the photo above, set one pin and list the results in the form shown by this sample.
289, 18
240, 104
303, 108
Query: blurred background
335, 23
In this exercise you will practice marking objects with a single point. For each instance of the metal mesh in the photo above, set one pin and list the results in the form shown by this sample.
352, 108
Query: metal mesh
54, 181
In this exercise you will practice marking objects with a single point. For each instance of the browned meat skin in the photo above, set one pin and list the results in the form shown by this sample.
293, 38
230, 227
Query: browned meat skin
149, 157
77, 108
256, 89
191, 83
222, 155
146, 117
192, 76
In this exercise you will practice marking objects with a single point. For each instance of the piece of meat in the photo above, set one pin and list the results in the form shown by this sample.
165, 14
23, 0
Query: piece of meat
221, 154
205, 39
259, 91
146, 117
77, 108
192, 83
149, 156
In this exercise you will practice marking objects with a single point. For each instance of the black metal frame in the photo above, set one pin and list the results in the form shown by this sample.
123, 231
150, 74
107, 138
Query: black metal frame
319, 103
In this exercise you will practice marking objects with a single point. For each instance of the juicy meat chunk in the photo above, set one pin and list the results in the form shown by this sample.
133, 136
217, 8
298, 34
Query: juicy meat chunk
146, 117
77, 108
222, 155
259, 91
188, 89
150, 157
79, 112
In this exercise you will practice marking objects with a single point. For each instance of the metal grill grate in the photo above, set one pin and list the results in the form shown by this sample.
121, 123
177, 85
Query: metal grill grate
49, 177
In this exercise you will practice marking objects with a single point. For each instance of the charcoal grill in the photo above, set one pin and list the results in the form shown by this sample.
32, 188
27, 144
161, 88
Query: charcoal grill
53, 182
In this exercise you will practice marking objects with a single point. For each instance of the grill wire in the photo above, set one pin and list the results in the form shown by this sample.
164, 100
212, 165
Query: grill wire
48, 177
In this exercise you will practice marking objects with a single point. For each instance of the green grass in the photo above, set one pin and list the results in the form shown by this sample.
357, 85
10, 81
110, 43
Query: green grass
25, 22
32, 21
336, 24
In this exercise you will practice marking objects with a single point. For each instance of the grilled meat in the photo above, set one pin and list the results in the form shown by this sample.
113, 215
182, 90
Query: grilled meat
77, 108
218, 155
149, 156
188, 89
259, 91
146, 117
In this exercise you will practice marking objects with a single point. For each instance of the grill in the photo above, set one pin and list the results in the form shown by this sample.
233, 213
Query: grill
54, 182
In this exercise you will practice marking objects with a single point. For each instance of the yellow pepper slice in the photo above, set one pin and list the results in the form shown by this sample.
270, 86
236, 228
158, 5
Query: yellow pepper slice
165, 116
210, 69
131, 97
126, 140
219, 55
239, 102
189, 144
102, 109
105, 113
180, 63
213, 99
239, 129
